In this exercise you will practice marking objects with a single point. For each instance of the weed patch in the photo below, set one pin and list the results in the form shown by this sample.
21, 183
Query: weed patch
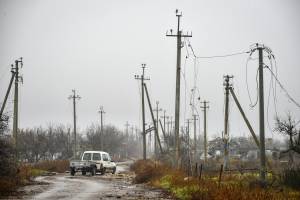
191, 188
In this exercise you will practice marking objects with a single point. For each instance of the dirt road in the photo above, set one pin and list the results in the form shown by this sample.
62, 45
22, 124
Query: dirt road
108, 186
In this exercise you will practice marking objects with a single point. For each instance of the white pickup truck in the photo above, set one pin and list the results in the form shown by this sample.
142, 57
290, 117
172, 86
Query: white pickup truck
93, 161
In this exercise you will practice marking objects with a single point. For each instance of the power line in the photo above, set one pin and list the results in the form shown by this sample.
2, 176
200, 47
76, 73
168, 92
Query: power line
252, 105
217, 56
225, 55
281, 86
185, 86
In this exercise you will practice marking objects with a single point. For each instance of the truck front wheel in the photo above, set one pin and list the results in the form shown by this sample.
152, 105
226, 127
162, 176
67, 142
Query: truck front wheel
103, 170
72, 171
114, 170
93, 171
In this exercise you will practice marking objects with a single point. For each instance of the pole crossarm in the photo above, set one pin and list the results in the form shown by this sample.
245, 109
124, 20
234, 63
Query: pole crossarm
150, 129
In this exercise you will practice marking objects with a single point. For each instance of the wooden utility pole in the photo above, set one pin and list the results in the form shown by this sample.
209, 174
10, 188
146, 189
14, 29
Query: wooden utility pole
261, 114
74, 97
16, 101
178, 35
102, 112
205, 107
226, 134
142, 78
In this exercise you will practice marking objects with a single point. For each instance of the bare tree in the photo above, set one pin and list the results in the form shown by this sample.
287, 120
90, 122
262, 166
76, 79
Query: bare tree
288, 127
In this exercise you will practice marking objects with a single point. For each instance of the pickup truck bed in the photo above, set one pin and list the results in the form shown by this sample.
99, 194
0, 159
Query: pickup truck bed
83, 166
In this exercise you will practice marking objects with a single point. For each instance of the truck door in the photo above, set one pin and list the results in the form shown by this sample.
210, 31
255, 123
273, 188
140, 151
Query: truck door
109, 161
105, 160
97, 159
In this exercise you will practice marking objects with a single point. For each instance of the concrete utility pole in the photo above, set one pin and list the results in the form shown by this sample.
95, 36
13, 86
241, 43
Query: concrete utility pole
101, 111
205, 107
132, 132
188, 121
164, 117
69, 141
7, 92
168, 130
74, 97
167, 127
142, 78
226, 134
127, 137
247, 122
16, 100
195, 136
188, 145
150, 138
157, 110
179, 35
153, 119
170, 125
136, 134
163, 130
127, 128
261, 114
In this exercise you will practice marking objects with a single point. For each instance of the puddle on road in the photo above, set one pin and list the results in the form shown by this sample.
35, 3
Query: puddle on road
72, 188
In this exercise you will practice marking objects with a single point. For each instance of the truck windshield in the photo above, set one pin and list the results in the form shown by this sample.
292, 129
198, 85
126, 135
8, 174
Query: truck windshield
87, 156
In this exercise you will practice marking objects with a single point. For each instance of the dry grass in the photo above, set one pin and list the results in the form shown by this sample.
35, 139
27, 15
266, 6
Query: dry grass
148, 170
59, 166
231, 187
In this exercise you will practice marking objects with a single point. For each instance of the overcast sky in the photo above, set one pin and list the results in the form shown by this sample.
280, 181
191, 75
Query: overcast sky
96, 47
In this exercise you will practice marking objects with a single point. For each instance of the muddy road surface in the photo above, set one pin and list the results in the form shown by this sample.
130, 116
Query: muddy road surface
78, 187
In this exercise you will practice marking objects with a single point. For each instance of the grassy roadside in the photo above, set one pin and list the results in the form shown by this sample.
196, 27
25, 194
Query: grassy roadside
24, 174
208, 187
